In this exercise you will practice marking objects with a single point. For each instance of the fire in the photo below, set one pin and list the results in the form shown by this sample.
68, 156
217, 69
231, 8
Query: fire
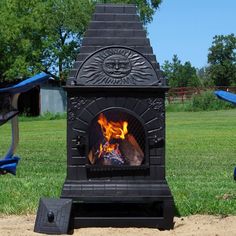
111, 130
116, 130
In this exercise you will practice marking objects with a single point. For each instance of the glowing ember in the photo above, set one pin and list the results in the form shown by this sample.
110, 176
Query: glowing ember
111, 130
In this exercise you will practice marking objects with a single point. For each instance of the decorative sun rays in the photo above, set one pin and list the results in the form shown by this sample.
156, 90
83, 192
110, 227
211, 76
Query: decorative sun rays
116, 66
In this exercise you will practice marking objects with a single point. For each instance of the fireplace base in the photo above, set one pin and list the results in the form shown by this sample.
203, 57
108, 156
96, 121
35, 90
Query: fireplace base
115, 217
120, 203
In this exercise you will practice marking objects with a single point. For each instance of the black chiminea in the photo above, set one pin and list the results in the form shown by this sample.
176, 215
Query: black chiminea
116, 127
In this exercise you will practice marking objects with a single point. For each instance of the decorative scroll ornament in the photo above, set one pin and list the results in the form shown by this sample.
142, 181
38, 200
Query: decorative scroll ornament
76, 104
117, 66
156, 103
71, 115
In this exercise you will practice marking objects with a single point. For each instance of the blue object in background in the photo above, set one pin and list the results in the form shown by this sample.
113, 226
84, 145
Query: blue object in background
27, 84
226, 96
8, 165
9, 162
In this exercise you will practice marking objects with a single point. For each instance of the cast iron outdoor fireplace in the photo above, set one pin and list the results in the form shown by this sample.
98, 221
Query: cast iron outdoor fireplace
116, 127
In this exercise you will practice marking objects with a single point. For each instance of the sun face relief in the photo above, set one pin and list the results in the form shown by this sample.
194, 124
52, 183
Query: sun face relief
117, 66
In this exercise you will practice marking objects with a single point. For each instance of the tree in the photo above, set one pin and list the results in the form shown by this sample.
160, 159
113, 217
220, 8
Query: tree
222, 60
45, 35
42, 35
180, 75
204, 77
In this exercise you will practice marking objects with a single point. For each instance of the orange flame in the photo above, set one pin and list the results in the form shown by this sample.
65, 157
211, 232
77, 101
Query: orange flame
111, 130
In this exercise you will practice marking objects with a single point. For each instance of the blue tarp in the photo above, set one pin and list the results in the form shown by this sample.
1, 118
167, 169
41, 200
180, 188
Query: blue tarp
8, 163
226, 96
229, 97
27, 84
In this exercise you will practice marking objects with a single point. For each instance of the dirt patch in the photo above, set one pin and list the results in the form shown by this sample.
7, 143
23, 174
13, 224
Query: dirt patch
197, 225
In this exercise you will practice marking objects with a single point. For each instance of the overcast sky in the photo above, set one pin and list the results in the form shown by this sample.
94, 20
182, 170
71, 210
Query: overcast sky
187, 28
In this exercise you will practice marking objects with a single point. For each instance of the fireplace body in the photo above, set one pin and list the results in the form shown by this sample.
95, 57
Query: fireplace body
116, 75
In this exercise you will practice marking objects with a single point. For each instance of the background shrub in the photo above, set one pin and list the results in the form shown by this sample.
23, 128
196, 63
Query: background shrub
206, 101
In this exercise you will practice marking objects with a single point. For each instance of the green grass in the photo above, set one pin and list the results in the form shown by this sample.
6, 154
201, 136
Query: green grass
178, 106
42, 168
45, 116
201, 156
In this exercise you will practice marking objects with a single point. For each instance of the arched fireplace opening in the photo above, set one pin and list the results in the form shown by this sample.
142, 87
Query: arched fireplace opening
116, 138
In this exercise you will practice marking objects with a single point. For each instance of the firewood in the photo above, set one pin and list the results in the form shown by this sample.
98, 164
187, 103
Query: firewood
91, 157
133, 141
131, 150
94, 151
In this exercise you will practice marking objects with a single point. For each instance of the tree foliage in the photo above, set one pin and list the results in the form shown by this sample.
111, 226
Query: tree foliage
180, 75
41, 35
45, 35
222, 60
204, 77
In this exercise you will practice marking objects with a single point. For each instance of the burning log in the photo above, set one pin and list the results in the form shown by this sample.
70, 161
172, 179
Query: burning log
101, 155
91, 157
127, 152
131, 150
112, 158
118, 147
93, 153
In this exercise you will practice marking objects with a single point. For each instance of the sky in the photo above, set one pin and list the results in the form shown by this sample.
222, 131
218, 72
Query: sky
187, 28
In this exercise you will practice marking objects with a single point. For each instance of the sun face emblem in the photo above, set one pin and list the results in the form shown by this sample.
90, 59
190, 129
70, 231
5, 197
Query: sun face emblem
115, 66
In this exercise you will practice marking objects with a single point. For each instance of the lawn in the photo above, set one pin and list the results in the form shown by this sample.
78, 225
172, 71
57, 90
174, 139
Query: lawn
201, 156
